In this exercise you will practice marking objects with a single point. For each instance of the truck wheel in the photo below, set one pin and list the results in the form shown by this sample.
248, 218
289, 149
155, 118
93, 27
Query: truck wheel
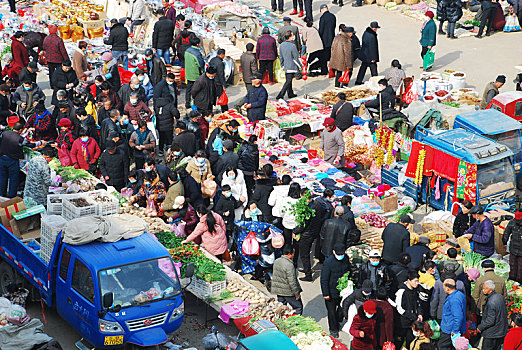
6, 277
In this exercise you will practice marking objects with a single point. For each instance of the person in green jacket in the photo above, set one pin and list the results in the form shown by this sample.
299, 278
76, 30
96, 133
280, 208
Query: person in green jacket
194, 66
428, 34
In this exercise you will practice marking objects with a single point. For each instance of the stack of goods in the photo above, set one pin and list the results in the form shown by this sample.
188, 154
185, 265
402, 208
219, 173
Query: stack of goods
360, 93
155, 223
78, 179
305, 333
296, 113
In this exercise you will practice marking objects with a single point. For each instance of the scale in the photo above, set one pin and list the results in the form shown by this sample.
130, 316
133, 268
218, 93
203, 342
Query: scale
262, 325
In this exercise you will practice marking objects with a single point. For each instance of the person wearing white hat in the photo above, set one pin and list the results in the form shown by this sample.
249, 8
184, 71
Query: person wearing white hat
181, 211
376, 271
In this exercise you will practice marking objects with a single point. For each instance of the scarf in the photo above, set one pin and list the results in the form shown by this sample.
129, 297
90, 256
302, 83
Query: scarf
40, 117
108, 66
202, 167
85, 150
142, 136
424, 25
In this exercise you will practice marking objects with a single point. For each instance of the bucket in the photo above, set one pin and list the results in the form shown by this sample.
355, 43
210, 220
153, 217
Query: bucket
12, 120
458, 81
312, 153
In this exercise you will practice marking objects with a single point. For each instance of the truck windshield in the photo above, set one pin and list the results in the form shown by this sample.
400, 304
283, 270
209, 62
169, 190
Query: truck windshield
495, 177
510, 139
141, 282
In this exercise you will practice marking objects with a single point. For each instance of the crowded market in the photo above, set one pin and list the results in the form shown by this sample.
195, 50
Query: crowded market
204, 174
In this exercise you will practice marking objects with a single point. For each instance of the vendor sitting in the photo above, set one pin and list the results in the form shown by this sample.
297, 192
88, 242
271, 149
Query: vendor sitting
181, 211
152, 191
481, 233
385, 99
135, 181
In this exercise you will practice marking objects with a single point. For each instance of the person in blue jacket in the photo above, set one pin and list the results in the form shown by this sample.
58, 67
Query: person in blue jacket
453, 314
481, 233
428, 34
256, 98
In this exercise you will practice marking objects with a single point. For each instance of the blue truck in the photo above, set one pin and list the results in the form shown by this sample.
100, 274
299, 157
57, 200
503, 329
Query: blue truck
114, 294
495, 172
499, 127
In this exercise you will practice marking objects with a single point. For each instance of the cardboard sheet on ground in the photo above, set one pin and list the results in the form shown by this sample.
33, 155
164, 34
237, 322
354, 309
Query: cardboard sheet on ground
110, 228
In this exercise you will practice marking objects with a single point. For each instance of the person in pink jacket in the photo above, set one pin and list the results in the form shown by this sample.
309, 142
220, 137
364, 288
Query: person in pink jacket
211, 228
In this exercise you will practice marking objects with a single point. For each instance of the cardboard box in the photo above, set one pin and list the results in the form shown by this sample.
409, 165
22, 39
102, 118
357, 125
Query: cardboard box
387, 203
26, 224
8, 208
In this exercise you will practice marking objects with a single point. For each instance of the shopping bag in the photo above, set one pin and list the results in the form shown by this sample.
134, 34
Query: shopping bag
410, 95
512, 24
345, 77
278, 241
64, 155
388, 346
208, 187
151, 209
428, 59
331, 73
178, 229
250, 245
223, 99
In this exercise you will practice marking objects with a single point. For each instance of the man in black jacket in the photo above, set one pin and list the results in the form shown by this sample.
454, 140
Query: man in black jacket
127, 89
204, 92
221, 83
118, 39
156, 69
249, 163
342, 112
396, 238
6, 107
327, 27
108, 126
514, 231
162, 36
417, 251
185, 139
166, 114
408, 307
335, 266
346, 204
358, 297
64, 78
369, 54
386, 100
494, 324
377, 272
114, 166
229, 159
163, 171
335, 230
29, 72
166, 91
356, 44
399, 271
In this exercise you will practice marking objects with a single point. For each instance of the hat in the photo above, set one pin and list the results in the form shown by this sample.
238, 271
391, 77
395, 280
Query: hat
149, 52
107, 56
374, 24
323, 6
66, 122
114, 134
476, 209
287, 19
111, 145
33, 65
328, 122
228, 144
52, 29
40, 107
369, 307
178, 202
350, 30
429, 14
488, 264
63, 104
19, 34
367, 286
249, 47
518, 215
114, 21
374, 253
67, 63
501, 79
473, 273
406, 219
257, 75
518, 79
424, 240
211, 70
339, 249
345, 30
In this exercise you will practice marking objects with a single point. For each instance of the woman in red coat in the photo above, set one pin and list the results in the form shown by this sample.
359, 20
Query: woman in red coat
18, 49
513, 339
363, 327
85, 152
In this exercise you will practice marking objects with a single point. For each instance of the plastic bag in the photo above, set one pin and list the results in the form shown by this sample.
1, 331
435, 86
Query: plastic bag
126, 192
345, 77
278, 240
388, 346
223, 99
410, 95
250, 245
178, 229
151, 209
428, 59
64, 155
512, 24
209, 187
435, 328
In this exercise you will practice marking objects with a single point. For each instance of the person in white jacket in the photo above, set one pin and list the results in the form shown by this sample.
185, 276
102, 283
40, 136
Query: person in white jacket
235, 179
289, 223
136, 14
276, 196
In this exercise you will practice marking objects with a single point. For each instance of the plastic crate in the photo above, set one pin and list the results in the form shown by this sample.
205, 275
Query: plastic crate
70, 211
209, 288
54, 208
51, 225
46, 249
46, 258
105, 208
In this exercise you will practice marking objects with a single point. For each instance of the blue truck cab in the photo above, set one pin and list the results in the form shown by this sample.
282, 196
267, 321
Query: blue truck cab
496, 126
495, 172
113, 294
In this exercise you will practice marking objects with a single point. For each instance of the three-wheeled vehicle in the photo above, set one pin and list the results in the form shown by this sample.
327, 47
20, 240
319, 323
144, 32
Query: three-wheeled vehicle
269, 339
509, 103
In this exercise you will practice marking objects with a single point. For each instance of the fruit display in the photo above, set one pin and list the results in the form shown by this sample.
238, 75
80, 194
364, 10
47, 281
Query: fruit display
375, 220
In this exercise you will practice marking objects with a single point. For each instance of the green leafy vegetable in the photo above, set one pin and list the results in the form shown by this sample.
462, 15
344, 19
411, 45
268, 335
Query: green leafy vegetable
451, 104
472, 259
344, 281
301, 209
226, 294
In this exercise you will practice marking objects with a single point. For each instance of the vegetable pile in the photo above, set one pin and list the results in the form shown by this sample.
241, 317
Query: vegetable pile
272, 310
472, 259
294, 325
245, 292
401, 212
375, 220
312, 341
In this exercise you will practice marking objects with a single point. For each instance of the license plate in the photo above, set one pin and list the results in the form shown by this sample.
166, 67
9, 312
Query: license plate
113, 340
